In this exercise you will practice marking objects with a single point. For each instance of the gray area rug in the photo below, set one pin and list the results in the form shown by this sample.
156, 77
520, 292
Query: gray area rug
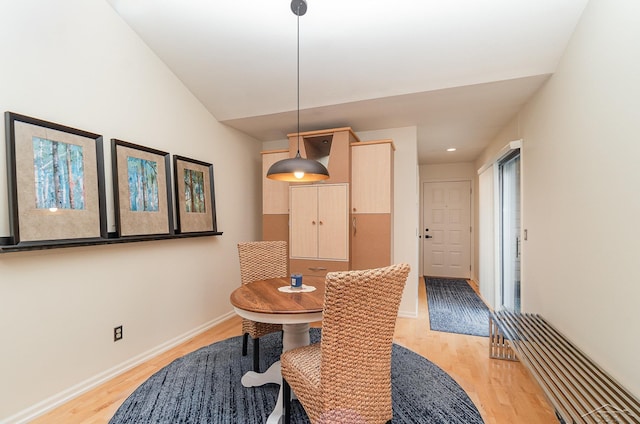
454, 307
204, 387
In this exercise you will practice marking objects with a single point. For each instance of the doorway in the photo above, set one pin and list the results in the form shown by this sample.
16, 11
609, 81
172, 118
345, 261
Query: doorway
446, 235
510, 239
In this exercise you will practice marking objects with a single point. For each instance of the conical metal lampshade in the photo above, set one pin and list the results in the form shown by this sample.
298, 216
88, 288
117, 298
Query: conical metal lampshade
297, 169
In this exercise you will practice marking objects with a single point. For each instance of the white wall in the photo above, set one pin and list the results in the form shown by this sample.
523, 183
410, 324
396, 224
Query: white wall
75, 62
580, 190
448, 172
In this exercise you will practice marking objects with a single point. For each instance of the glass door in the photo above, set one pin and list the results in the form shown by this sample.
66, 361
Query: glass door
510, 243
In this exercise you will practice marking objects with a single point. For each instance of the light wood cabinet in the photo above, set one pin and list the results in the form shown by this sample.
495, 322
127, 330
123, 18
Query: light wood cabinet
329, 147
345, 222
319, 222
371, 177
371, 232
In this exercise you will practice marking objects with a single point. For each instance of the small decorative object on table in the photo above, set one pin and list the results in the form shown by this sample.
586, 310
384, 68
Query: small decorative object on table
296, 281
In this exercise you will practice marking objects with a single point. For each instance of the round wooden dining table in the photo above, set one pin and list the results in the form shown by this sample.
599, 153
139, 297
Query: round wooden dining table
273, 301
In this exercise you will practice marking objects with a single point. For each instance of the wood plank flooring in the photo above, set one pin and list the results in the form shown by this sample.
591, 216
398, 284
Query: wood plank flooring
504, 392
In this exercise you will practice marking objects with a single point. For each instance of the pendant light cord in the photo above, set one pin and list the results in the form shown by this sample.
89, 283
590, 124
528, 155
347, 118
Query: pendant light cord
298, 76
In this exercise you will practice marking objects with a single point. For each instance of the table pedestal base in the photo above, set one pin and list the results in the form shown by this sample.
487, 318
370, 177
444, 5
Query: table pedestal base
293, 335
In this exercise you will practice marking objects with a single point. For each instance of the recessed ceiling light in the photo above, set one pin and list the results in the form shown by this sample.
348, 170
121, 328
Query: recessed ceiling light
451, 149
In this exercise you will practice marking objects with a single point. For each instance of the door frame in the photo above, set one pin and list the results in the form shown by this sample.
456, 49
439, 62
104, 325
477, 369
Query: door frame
491, 288
471, 220
500, 257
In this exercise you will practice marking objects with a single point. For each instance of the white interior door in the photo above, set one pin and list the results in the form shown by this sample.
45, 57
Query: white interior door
446, 234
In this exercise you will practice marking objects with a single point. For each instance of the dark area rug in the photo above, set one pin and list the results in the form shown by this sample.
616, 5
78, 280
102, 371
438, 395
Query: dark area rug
454, 307
204, 387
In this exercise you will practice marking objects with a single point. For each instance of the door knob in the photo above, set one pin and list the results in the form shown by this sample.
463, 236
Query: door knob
428, 236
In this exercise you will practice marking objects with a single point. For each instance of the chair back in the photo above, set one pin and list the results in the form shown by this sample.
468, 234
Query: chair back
360, 312
260, 260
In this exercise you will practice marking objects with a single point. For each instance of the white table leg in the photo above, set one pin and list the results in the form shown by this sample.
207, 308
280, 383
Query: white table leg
293, 335
271, 375
276, 415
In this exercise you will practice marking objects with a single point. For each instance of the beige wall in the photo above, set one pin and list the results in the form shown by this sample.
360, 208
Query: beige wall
78, 64
580, 190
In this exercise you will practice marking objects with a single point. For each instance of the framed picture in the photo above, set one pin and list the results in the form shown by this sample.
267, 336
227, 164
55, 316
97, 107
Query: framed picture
56, 182
195, 198
142, 190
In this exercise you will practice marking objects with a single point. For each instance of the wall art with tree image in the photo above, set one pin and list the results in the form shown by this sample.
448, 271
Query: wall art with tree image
142, 185
195, 195
56, 182
59, 174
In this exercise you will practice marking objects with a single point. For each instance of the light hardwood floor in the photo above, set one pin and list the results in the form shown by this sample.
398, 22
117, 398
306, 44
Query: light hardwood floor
504, 392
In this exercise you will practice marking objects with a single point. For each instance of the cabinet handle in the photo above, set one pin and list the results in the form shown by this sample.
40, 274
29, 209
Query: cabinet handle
354, 226
320, 222
317, 268
313, 222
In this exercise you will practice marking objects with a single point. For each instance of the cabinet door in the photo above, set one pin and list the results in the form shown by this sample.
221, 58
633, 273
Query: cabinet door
370, 240
333, 222
371, 177
303, 234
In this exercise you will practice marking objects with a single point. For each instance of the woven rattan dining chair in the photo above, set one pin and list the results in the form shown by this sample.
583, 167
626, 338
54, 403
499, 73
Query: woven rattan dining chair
260, 260
346, 378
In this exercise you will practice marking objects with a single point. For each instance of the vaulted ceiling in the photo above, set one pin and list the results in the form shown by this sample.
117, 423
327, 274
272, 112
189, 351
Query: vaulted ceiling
458, 70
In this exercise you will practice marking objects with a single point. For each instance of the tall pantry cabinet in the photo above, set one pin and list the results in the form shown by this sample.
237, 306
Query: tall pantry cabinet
371, 204
341, 223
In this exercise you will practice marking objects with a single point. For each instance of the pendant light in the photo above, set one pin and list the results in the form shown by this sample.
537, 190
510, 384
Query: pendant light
298, 169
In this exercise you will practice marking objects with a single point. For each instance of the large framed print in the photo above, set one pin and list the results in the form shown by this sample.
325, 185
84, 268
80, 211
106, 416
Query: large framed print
195, 195
56, 185
142, 190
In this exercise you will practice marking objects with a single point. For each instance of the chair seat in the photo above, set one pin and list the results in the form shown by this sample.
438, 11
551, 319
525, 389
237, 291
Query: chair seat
303, 365
301, 369
257, 329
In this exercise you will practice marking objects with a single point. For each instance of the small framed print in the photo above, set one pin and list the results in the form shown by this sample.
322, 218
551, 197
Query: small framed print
142, 190
195, 195
56, 182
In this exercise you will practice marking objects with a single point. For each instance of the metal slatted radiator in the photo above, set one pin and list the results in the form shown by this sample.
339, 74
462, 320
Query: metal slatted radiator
580, 391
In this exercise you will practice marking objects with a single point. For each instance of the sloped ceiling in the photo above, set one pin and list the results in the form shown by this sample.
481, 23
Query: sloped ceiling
459, 70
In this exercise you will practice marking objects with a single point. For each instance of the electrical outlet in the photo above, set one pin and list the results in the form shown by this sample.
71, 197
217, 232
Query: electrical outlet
117, 333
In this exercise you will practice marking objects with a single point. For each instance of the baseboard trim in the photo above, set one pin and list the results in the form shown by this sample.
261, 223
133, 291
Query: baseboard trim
403, 314
72, 392
408, 313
